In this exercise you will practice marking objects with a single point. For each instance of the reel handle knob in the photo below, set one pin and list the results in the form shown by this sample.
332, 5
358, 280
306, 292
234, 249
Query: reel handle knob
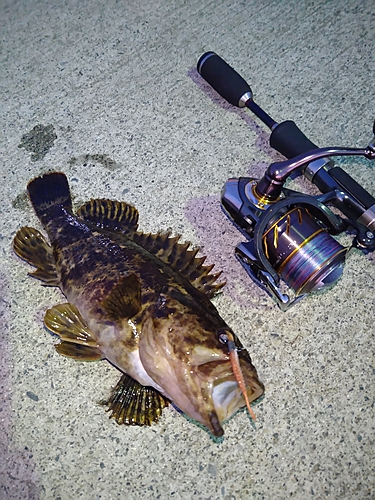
224, 79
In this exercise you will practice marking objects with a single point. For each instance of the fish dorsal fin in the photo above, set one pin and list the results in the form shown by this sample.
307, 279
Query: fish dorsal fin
134, 404
77, 341
123, 218
124, 300
114, 215
182, 259
30, 245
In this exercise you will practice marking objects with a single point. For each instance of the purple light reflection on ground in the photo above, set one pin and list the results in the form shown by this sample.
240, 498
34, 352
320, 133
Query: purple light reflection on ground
218, 238
18, 477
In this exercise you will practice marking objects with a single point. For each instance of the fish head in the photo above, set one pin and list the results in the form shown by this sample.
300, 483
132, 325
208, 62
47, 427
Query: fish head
184, 349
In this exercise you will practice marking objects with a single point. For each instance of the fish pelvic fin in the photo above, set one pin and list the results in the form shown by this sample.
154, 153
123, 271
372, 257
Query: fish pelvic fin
49, 191
30, 245
182, 259
77, 340
78, 352
124, 300
134, 404
113, 215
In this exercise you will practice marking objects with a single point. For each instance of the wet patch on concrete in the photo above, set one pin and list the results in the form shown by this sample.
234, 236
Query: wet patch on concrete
87, 160
38, 141
21, 201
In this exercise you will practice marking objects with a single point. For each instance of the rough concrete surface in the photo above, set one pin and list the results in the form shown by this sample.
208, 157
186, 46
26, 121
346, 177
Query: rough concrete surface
108, 93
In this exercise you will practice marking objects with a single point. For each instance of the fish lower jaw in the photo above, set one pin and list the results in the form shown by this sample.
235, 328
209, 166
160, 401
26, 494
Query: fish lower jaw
227, 399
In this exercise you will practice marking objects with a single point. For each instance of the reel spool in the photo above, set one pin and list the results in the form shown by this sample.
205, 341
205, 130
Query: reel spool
302, 253
292, 241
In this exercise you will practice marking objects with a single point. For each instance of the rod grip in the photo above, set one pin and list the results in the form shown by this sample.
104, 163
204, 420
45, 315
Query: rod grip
289, 140
223, 78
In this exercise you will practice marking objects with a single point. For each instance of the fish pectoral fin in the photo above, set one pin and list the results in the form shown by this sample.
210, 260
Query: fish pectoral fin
124, 300
30, 245
114, 215
134, 404
77, 340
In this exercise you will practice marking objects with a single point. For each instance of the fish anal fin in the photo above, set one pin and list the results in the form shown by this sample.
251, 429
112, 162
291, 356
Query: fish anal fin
77, 341
114, 215
131, 403
182, 259
124, 300
30, 245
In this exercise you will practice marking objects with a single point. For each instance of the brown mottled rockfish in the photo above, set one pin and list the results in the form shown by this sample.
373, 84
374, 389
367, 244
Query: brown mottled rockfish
141, 301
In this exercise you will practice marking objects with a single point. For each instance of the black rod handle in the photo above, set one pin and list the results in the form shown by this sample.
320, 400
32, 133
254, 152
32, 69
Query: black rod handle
289, 140
224, 79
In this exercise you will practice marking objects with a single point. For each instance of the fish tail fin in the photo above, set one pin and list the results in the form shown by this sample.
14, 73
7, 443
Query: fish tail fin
49, 191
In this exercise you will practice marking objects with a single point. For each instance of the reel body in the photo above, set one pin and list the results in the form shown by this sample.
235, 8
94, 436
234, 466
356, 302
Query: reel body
291, 240
290, 237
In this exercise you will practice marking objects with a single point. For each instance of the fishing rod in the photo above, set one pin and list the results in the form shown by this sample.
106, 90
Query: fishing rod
290, 235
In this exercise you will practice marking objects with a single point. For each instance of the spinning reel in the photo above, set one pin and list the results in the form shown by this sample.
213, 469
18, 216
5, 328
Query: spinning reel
290, 234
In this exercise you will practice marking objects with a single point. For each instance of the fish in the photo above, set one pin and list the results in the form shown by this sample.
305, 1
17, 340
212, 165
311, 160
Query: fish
141, 301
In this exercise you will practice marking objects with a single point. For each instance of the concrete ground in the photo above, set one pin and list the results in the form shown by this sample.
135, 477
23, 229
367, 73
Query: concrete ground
108, 93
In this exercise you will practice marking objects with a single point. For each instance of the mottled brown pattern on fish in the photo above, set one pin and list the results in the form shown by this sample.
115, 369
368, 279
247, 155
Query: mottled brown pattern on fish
94, 274
101, 262
142, 301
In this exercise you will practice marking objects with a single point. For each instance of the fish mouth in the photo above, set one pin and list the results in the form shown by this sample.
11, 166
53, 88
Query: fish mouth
227, 397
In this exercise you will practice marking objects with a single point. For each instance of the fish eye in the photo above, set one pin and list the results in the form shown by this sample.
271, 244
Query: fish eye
223, 337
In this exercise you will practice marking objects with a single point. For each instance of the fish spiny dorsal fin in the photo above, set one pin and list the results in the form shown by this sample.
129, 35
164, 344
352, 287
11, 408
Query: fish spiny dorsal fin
123, 218
114, 215
134, 404
124, 300
182, 259
30, 245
